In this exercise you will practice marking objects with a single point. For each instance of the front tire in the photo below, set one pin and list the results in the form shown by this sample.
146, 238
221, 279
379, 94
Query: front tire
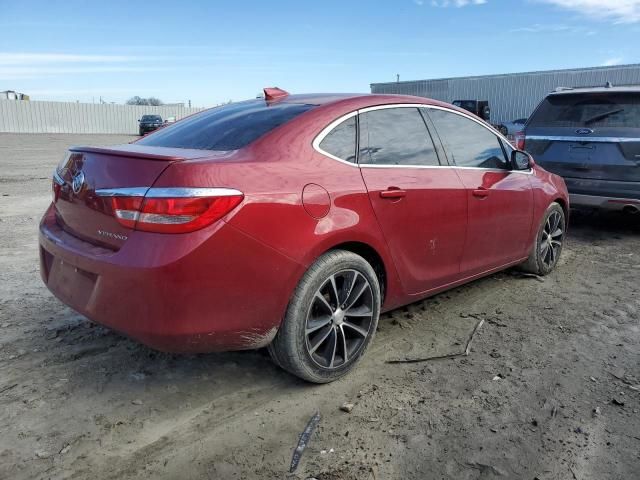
331, 319
547, 248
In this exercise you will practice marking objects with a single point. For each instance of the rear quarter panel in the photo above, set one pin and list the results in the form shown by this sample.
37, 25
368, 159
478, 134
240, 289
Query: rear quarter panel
272, 173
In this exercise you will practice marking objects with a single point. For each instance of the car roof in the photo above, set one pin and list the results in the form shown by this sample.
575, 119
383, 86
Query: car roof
572, 90
358, 100
318, 98
363, 98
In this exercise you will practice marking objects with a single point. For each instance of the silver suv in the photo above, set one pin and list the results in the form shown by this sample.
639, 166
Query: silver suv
590, 137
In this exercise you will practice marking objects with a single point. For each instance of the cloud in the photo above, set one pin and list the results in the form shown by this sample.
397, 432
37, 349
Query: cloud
21, 58
610, 62
86, 91
552, 28
618, 11
452, 3
12, 72
21, 65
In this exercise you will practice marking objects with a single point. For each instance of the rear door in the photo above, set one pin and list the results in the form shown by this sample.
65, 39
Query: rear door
420, 204
500, 201
590, 139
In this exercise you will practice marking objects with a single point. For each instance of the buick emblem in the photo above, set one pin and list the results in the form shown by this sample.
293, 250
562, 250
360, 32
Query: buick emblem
584, 131
77, 182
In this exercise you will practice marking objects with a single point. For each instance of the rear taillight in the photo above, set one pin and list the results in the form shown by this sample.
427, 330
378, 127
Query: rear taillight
173, 210
56, 185
520, 140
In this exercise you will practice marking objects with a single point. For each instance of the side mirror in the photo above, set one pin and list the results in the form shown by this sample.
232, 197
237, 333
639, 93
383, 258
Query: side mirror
521, 160
138, 120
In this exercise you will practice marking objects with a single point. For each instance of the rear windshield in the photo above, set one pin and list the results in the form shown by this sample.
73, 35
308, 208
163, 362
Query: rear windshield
151, 118
226, 128
589, 110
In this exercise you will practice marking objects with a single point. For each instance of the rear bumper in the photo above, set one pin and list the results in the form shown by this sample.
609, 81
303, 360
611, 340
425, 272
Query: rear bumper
606, 203
599, 191
215, 289
144, 130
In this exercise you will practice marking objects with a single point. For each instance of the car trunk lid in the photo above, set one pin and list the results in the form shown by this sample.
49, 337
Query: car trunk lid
82, 212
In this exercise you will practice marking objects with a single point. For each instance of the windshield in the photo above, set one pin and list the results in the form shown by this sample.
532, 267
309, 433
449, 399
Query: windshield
151, 118
589, 110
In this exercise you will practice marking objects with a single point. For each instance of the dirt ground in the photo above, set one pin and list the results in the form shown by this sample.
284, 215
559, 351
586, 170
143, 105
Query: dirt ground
551, 389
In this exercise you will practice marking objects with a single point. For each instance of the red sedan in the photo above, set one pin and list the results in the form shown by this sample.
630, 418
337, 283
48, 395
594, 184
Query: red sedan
292, 222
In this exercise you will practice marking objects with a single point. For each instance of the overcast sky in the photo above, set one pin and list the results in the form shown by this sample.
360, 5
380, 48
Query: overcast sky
214, 51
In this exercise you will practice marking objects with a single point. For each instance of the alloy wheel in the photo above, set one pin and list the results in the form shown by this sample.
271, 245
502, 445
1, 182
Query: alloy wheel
339, 319
551, 241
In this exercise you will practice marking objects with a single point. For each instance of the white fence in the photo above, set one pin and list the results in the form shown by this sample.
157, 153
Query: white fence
19, 116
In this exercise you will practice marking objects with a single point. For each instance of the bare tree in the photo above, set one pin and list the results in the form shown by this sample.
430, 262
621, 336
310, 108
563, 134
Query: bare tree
151, 101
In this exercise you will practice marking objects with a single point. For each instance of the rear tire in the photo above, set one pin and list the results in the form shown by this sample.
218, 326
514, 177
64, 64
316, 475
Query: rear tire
331, 319
547, 248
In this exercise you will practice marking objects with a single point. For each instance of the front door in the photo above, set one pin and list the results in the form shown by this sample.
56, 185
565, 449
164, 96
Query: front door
500, 201
420, 204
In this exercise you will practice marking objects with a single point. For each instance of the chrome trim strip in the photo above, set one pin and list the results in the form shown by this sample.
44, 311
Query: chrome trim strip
326, 131
186, 192
122, 192
57, 178
522, 172
454, 167
584, 139
372, 165
189, 192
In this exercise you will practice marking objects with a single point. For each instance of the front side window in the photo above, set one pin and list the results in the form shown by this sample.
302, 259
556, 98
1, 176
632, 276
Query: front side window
395, 136
468, 144
341, 141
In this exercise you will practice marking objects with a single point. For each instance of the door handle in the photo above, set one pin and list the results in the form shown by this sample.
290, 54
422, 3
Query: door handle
481, 192
393, 192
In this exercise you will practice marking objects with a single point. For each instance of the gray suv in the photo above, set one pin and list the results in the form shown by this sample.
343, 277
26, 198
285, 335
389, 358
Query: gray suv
590, 137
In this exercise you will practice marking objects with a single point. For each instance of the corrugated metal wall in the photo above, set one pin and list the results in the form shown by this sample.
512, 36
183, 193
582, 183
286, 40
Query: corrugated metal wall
19, 116
512, 96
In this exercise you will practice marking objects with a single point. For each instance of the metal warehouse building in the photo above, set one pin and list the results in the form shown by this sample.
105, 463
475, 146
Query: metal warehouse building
513, 95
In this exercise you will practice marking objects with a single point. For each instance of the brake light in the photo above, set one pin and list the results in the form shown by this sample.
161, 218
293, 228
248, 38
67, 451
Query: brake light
520, 140
175, 210
55, 190
56, 185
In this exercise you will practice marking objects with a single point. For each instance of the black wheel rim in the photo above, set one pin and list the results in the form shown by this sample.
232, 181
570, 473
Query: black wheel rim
339, 319
551, 241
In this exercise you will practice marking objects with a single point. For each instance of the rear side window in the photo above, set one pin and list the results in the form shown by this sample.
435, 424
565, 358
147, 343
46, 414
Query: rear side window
588, 110
341, 141
395, 136
226, 128
468, 144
